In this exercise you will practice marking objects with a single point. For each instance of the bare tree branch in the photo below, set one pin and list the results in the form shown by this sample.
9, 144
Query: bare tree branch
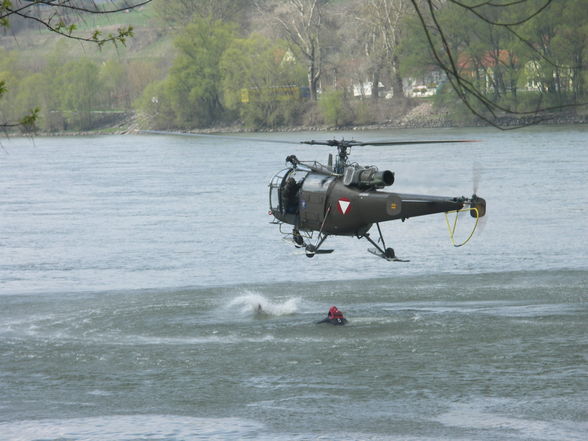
465, 89
56, 24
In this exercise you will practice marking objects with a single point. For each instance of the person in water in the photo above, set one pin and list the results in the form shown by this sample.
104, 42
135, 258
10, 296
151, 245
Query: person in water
334, 317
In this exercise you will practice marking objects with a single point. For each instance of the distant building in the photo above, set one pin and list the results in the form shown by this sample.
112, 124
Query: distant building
425, 85
364, 89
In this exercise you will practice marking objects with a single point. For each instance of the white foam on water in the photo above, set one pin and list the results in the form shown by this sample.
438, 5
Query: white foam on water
160, 428
202, 340
131, 427
251, 302
484, 416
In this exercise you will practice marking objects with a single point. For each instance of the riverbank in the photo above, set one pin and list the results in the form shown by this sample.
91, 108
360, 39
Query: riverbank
419, 116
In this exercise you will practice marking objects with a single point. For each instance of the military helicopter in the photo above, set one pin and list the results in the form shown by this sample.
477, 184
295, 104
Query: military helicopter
346, 199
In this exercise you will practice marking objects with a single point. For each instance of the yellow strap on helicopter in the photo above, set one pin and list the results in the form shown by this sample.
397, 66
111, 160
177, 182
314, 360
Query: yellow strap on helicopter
452, 230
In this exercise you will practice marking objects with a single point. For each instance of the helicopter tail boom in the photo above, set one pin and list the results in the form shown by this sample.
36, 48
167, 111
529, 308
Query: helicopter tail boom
353, 211
422, 205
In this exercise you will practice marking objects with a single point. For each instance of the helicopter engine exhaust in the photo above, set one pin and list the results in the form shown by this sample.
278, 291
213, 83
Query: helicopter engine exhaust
367, 177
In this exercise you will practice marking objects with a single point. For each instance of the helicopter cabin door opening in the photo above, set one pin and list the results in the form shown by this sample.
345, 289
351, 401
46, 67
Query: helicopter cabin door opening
284, 194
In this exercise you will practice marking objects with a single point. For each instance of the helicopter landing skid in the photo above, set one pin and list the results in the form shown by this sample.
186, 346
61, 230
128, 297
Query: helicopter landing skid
376, 252
383, 252
311, 250
292, 242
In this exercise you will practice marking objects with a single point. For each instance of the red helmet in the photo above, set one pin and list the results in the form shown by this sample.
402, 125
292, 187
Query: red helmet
334, 312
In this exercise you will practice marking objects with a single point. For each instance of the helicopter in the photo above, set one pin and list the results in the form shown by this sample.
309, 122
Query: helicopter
347, 199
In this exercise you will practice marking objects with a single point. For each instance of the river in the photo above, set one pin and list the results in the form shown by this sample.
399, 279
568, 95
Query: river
131, 269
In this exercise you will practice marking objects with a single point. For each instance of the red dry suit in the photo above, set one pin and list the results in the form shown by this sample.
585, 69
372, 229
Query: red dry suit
334, 313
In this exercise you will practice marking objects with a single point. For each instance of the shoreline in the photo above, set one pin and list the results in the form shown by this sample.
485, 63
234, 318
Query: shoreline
420, 117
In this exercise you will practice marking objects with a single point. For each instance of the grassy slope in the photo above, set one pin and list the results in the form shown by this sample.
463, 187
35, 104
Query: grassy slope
150, 40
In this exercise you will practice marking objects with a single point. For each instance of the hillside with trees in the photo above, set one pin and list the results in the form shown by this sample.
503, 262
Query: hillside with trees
271, 64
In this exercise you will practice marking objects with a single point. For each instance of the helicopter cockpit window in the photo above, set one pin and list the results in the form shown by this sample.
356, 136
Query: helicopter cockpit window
274, 194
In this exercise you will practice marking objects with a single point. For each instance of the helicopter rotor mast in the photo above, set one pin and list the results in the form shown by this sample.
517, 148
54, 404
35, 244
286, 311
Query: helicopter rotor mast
343, 147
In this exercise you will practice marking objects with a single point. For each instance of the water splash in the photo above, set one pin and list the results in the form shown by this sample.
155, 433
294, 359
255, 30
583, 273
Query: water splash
251, 302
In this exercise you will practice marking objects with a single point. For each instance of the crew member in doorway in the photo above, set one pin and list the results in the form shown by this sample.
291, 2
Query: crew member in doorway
290, 196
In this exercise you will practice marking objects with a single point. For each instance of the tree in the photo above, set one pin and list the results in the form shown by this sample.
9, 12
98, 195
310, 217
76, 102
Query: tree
261, 79
56, 16
515, 19
179, 13
333, 108
195, 77
115, 85
80, 91
572, 44
156, 105
302, 23
382, 21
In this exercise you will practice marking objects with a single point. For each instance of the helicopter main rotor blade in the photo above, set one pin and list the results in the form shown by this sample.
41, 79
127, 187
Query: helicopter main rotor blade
437, 141
202, 135
330, 142
351, 143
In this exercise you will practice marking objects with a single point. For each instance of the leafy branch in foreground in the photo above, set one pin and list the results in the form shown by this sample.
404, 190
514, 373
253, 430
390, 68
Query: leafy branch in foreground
497, 17
26, 123
54, 19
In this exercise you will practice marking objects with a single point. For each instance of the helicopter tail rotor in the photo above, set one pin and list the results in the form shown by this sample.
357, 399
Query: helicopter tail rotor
478, 206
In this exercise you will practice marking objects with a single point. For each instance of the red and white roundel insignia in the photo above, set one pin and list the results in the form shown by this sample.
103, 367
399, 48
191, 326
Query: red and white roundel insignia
344, 205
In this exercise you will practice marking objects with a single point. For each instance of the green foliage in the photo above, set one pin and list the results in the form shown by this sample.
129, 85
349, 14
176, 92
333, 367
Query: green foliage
265, 73
29, 94
414, 50
80, 91
5, 6
29, 121
179, 13
62, 94
362, 111
195, 77
156, 105
70, 95
115, 93
333, 107
511, 58
211, 70
529, 64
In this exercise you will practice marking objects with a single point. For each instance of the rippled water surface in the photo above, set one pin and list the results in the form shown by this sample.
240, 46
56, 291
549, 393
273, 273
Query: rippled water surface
132, 270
